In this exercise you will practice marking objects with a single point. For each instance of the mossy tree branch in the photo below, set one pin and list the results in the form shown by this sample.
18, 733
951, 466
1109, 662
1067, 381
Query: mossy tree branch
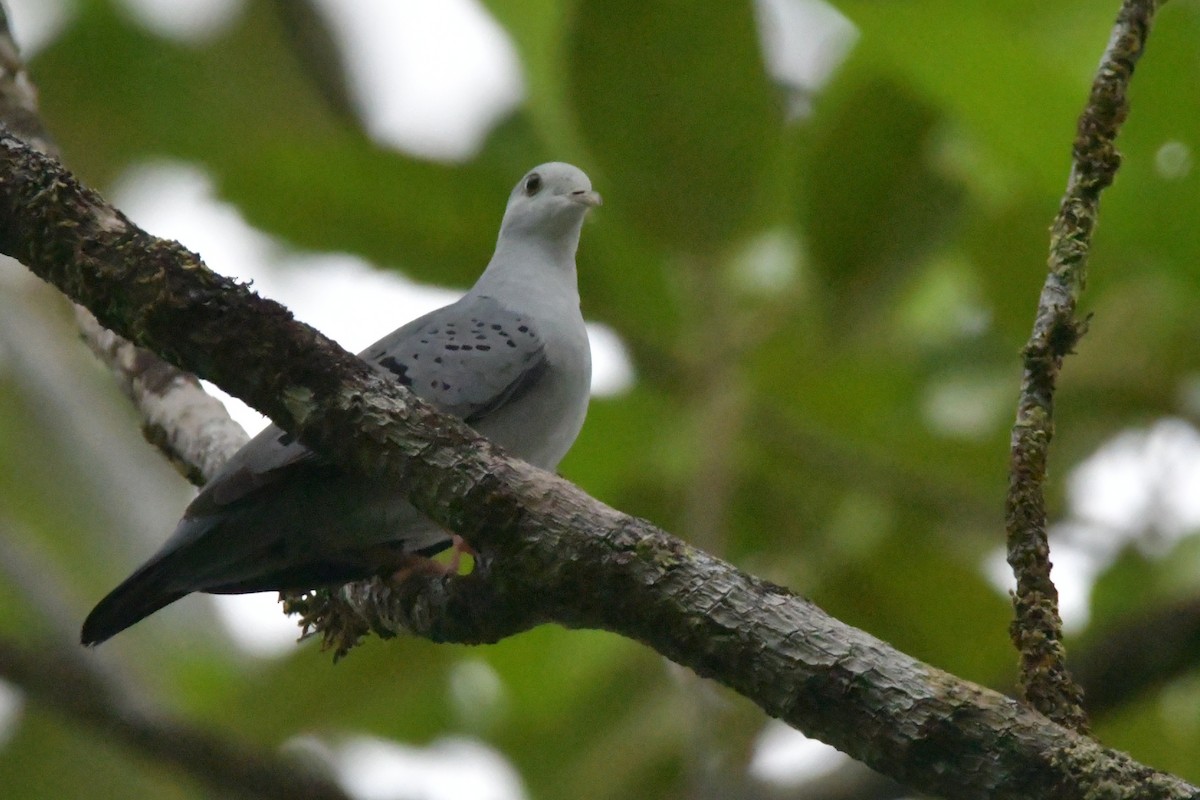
554, 553
1037, 627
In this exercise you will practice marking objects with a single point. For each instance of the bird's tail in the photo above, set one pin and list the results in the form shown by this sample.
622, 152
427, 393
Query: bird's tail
139, 596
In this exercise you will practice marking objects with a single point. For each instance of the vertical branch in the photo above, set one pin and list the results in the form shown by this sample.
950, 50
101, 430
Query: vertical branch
1037, 628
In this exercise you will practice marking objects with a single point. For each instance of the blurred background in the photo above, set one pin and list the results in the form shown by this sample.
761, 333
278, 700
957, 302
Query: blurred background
823, 239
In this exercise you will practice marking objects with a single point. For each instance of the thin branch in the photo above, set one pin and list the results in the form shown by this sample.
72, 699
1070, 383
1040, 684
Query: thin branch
189, 426
63, 679
81, 687
1037, 627
309, 39
550, 552
1139, 654
18, 96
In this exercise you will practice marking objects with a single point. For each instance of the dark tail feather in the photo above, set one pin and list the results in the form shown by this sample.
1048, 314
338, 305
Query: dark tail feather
139, 596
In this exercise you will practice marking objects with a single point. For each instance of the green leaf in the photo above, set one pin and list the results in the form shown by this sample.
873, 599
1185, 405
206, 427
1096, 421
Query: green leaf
875, 202
673, 98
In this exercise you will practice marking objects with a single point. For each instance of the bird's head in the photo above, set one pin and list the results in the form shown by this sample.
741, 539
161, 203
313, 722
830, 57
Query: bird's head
550, 200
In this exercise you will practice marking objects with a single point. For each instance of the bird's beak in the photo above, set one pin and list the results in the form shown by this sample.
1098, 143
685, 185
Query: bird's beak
590, 199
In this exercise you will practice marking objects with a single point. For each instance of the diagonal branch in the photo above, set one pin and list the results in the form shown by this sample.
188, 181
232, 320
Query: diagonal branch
63, 680
1138, 654
82, 688
554, 554
1037, 627
190, 427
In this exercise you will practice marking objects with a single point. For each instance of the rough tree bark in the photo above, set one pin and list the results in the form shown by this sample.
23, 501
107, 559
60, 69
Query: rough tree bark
556, 554
1037, 627
553, 553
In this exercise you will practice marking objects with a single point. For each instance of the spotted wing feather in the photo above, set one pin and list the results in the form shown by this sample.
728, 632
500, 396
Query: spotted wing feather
468, 359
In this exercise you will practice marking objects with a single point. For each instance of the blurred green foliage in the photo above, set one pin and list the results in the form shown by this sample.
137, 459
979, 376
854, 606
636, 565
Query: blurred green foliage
824, 313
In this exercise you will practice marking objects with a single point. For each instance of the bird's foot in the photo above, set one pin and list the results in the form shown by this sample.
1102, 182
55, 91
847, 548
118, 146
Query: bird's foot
458, 546
415, 565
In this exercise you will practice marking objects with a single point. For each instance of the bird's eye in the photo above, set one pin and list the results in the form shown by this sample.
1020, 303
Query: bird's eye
532, 184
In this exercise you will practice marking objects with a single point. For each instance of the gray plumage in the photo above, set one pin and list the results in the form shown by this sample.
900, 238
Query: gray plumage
511, 358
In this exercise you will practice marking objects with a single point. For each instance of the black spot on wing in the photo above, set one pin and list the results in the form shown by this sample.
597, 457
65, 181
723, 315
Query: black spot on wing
398, 368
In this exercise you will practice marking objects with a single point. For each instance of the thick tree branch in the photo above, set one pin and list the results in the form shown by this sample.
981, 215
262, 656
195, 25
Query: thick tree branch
554, 553
189, 426
1037, 627
1114, 666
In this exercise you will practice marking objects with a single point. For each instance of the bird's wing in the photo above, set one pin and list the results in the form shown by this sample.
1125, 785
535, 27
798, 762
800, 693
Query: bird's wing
469, 359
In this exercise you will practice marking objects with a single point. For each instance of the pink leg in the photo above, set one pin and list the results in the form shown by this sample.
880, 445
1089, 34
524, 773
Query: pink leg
458, 547
420, 565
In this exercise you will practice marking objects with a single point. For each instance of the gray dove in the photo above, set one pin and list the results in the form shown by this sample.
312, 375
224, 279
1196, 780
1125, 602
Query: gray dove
510, 358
